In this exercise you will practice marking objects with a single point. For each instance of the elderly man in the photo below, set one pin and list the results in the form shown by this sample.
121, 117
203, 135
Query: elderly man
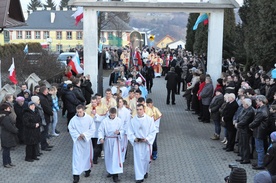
206, 97
245, 118
259, 127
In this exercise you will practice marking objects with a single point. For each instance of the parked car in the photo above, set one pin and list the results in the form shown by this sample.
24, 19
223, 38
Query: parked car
63, 57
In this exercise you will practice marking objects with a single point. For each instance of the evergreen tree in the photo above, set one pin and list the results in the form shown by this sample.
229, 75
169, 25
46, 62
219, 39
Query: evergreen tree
201, 39
50, 4
34, 4
63, 4
190, 33
240, 52
228, 33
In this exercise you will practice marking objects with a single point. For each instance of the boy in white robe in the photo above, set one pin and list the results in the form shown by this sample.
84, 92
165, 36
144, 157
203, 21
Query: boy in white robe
81, 128
110, 134
141, 134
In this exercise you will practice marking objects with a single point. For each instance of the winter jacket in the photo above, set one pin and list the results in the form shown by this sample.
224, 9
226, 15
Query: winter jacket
260, 123
46, 104
31, 132
215, 104
206, 94
8, 130
228, 114
245, 118
171, 78
70, 101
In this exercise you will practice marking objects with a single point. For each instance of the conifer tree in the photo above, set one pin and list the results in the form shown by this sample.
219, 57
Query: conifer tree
34, 4
50, 4
190, 33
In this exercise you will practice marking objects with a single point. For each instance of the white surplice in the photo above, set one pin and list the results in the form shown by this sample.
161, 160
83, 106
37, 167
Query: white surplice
143, 127
112, 147
125, 115
82, 149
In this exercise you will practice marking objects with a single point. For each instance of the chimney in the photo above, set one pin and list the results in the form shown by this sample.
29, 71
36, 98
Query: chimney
57, 8
53, 16
48, 8
74, 9
39, 8
64, 9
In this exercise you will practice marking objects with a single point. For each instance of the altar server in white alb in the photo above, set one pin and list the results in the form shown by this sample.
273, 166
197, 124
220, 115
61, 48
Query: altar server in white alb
110, 134
141, 134
125, 115
81, 128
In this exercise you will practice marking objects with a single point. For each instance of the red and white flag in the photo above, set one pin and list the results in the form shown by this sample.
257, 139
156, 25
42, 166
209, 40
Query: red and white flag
78, 15
12, 75
75, 64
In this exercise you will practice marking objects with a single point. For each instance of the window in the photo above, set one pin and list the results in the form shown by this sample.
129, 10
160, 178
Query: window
19, 34
59, 35
79, 35
37, 35
119, 34
69, 35
28, 35
6, 34
46, 34
59, 47
110, 35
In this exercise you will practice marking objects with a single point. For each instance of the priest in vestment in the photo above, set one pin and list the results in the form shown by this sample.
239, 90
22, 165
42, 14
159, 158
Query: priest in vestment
81, 128
141, 134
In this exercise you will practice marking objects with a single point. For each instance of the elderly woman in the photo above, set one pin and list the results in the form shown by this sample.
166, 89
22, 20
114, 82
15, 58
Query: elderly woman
227, 116
32, 123
19, 107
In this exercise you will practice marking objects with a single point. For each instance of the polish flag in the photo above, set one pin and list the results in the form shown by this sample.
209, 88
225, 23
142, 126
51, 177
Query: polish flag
12, 75
75, 64
78, 15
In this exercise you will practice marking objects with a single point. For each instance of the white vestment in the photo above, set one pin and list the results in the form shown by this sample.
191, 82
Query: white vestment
98, 119
112, 147
82, 148
143, 127
125, 115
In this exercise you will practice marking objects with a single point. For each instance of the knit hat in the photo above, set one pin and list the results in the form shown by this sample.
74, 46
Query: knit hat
30, 103
238, 175
35, 99
273, 136
262, 177
20, 99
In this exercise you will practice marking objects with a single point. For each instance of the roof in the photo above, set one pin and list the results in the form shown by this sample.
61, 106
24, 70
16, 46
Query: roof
11, 14
165, 38
176, 42
41, 20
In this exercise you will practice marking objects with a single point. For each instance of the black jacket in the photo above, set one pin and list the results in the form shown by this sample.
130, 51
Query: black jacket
260, 123
270, 159
171, 78
8, 130
46, 106
228, 114
245, 118
31, 133
87, 91
215, 104
78, 93
70, 101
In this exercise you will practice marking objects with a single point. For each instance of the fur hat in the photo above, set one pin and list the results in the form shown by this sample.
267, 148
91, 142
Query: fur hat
238, 175
35, 99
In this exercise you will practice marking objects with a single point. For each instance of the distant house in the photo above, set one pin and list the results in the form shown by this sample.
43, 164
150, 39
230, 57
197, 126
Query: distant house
175, 44
57, 30
164, 41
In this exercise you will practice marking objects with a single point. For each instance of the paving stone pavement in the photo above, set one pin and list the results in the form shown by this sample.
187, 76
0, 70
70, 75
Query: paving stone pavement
185, 153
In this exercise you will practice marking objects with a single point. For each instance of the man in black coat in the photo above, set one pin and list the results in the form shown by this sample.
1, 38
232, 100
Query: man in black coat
86, 88
259, 128
148, 73
171, 78
48, 112
77, 91
245, 118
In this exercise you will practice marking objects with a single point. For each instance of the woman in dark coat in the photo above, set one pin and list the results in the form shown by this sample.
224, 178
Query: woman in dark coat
32, 123
8, 134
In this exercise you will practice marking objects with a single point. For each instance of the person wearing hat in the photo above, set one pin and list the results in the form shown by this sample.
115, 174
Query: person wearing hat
32, 123
8, 134
19, 106
214, 107
27, 95
237, 175
269, 159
